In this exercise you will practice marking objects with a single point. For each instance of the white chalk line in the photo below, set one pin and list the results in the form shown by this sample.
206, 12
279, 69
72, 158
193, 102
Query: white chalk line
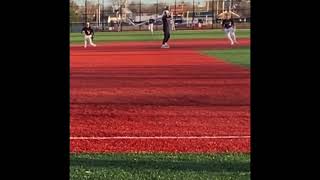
159, 137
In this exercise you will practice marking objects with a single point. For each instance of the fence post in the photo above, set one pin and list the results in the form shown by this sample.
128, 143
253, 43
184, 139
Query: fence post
103, 19
175, 10
99, 15
217, 7
212, 2
157, 12
85, 11
140, 14
192, 15
120, 17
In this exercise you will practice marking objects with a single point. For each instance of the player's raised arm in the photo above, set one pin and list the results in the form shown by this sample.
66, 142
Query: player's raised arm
221, 15
237, 15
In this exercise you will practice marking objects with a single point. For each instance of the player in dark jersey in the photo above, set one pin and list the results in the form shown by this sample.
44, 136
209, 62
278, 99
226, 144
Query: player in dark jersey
88, 35
166, 28
228, 25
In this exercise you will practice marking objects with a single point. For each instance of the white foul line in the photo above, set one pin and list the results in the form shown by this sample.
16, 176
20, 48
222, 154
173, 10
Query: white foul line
160, 137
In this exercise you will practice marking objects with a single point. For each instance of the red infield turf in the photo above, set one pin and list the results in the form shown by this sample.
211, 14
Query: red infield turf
136, 97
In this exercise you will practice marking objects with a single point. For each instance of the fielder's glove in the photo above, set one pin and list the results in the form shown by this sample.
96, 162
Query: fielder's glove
92, 37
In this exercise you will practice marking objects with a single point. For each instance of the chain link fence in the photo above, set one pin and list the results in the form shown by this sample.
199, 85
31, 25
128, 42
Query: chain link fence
134, 15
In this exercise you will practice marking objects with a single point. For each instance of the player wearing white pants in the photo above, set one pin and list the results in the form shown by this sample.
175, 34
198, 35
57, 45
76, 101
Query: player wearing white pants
88, 35
150, 27
173, 27
230, 31
228, 25
88, 38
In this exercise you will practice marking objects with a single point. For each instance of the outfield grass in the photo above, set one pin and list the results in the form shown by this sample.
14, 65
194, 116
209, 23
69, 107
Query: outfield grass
160, 166
239, 56
157, 36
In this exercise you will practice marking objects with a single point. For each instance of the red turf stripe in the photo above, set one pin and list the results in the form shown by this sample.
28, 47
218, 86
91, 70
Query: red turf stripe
162, 145
177, 93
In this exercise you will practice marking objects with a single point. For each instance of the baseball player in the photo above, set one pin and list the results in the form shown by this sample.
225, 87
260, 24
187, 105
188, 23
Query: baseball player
173, 27
88, 35
150, 27
228, 25
166, 28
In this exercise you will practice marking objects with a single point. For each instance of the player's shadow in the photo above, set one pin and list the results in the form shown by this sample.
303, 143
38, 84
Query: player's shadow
176, 165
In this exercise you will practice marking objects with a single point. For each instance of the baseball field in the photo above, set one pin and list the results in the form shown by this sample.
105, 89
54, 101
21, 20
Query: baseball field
141, 112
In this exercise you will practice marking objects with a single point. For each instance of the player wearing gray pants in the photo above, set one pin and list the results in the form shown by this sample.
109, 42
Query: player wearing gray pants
88, 35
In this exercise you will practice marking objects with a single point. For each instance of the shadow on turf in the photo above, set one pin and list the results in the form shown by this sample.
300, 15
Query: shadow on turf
209, 166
